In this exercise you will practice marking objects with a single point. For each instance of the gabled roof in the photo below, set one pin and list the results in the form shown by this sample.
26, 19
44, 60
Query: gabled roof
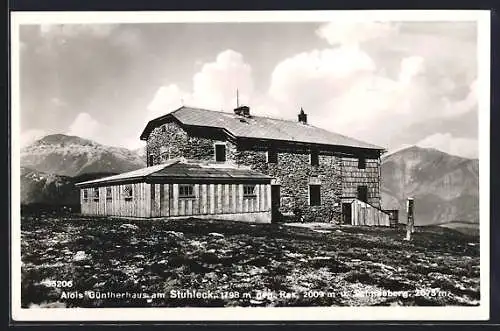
180, 169
257, 127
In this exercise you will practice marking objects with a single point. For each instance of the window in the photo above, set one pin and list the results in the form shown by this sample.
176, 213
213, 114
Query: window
186, 191
109, 196
153, 191
314, 195
363, 193
249, 191
151, 160
314, 158
127, 192
272, 156
85, 195
362, 163
164, 152
220, 152
96, 194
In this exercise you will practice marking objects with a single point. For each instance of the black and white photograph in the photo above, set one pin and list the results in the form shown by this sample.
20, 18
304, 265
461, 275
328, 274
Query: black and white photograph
250, 166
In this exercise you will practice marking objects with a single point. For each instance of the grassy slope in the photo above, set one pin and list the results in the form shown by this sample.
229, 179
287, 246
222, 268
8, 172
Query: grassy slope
158, 256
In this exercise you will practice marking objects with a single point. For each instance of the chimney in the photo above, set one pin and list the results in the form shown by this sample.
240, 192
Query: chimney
242, 111
302, 116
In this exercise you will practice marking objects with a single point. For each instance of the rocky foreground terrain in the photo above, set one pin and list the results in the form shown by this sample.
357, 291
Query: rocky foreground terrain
69, 261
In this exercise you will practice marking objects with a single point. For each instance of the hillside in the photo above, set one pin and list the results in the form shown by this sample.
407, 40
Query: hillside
70, 156
42, 188
39, 188
445, 187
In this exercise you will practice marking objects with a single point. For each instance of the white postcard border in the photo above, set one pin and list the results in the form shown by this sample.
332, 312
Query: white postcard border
481, 312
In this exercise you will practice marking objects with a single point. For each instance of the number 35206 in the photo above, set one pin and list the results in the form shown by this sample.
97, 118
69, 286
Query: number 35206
60, 283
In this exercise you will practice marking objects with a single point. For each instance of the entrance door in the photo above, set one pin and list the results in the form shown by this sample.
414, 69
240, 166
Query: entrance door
346, 213
275, 202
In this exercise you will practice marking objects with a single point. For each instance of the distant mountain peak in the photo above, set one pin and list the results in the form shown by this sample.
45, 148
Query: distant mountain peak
414, 149
59, 138
72, 155
444, 186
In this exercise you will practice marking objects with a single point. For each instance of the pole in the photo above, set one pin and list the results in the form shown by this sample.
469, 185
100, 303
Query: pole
410, 224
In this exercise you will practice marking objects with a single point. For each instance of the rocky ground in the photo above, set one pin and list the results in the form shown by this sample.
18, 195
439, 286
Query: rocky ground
70, 261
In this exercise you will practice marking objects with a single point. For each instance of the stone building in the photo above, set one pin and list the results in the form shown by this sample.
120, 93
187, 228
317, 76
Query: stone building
317, 174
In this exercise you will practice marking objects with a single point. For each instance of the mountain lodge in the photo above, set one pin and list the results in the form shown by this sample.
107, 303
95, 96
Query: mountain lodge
278, 167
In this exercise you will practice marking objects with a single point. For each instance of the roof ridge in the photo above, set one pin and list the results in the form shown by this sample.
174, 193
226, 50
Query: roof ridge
276, 119
232, 113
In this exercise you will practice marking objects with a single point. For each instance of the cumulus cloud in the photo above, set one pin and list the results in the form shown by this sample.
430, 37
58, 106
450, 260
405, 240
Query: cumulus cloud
317, 76
445, 142
85, 126
348, 86
350, 32
214, 87
166, 99
347, 90
465, 105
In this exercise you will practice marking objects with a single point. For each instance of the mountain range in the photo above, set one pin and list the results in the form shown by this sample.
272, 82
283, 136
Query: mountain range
71, 156
445, 187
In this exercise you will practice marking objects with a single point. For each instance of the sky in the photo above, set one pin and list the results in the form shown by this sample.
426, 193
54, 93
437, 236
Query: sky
393, 84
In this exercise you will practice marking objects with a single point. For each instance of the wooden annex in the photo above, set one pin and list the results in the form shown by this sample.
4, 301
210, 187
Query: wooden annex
179, 188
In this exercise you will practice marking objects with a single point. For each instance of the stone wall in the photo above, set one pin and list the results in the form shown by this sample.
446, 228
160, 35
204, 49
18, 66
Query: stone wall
170, 141
294, 173
339, 177
352, 177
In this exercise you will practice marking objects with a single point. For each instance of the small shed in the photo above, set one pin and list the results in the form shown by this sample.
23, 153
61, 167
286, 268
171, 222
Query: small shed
178, 189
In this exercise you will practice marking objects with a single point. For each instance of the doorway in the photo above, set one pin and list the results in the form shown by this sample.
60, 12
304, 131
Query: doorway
275, 202
346, 213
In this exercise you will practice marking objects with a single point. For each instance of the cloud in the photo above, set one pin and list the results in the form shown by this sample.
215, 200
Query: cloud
86, 127
73, 30
445, 142
30, 136
346, 92
350, 32
349, 88
166, 99
410, 67
372, 80
317, 76
214, 87
469, 103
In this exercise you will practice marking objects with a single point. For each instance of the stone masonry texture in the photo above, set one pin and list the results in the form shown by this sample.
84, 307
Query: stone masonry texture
339, 176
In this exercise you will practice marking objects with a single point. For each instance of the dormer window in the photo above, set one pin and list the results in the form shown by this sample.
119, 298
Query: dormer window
272, 156
220, 152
